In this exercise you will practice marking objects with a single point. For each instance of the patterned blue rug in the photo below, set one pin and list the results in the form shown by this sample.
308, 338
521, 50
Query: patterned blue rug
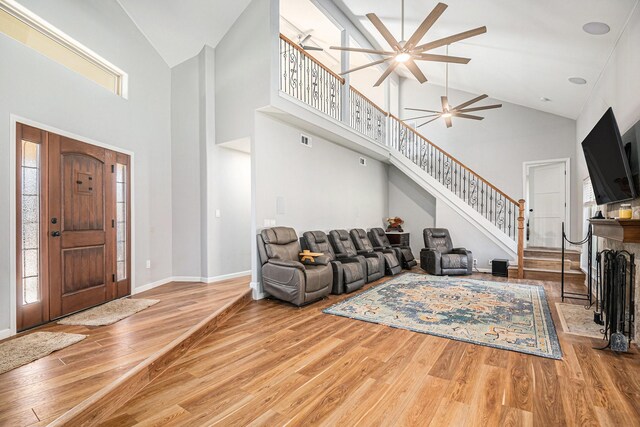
508, 316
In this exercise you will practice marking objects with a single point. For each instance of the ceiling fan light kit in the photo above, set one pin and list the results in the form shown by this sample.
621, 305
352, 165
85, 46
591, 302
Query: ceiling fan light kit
407, 52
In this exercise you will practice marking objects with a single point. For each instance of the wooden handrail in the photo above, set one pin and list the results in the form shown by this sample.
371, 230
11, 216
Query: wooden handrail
311, 58
455, 160
521, 204
368, 100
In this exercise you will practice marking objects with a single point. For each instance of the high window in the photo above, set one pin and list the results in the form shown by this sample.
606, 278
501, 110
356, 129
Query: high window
26, 27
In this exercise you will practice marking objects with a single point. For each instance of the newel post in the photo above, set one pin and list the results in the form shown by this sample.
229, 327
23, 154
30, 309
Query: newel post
521, 203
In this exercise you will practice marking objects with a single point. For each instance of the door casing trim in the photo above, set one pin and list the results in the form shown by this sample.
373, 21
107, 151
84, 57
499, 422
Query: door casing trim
567, 181
14, 119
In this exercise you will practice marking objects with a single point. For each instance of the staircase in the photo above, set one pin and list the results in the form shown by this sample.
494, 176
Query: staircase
498, 216
546, 264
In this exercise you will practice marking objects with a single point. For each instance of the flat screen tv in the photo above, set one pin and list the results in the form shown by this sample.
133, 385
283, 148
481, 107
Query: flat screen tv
608, 162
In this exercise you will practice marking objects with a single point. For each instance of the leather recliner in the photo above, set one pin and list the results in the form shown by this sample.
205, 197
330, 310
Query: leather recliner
364, 246
344, 248
379, 239
349, 274
439, 257
284, 276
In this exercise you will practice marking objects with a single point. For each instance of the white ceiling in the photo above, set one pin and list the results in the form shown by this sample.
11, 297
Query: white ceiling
179, 29
529, 51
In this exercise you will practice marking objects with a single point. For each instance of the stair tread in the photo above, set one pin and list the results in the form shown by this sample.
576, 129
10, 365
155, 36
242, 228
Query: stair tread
553, 250
543, 270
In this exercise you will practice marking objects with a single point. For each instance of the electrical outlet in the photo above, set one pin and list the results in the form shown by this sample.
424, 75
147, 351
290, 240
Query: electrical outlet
475, 263
218, 214
148, 263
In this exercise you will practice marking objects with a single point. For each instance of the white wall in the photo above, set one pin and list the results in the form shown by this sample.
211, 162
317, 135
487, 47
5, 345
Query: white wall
619, 88
207, 179
322, 187
186, 168
39, 89
413, 204
243, 70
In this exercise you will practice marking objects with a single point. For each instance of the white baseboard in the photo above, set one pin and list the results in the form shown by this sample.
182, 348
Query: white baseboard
257, 294
5, 333
151, 285
225, 277
195, 279
482, 270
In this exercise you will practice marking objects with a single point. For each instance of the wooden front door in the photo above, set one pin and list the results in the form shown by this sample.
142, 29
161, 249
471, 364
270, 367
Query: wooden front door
83, 225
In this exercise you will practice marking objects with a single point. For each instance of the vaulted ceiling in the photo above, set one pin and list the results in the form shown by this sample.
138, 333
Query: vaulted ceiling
530, 49
179, 29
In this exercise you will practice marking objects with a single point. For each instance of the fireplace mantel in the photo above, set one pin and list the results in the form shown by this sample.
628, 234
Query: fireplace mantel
620, 230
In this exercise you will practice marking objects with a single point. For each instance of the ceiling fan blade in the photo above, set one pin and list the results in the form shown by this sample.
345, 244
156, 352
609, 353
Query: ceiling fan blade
312, 48
370, 64
420, 109
469, 116
486, 107
451, 39
357, 49
426, 25
386, 73
427, 122
445, 103
447, 120
423, 117
384, 31
441, 58
307, 37
471, 101
415, 70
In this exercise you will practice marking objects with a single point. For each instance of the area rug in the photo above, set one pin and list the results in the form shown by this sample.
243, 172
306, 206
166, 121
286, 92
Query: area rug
109, 313
502, 315
578, 320
22, 350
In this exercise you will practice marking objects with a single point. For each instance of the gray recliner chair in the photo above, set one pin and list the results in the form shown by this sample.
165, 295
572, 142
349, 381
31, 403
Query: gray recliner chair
440, 258
344, 248
349, 274
364, 246
379, 239
284, 276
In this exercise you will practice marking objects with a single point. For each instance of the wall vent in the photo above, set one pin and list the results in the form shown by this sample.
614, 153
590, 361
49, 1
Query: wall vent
305, 140
363, 161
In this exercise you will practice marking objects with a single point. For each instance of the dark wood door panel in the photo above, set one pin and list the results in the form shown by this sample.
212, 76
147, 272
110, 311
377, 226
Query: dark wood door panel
81, 255
83, 192
83, 268
82, 238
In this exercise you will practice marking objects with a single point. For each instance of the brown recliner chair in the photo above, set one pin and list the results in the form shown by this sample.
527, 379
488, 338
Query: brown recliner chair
344, 248
364, 246
379, 239
284, 276
349, 274
440, 258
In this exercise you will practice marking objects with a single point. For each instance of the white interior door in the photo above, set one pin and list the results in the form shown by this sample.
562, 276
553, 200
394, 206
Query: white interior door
547, 204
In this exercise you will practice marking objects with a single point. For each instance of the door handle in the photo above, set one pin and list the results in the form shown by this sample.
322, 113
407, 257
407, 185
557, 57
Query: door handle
55, 234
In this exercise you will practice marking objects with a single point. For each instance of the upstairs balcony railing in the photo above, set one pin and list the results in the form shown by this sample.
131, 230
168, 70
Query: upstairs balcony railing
309, 81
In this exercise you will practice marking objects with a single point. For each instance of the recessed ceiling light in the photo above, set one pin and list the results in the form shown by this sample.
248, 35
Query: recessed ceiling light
596, 28
544, 99
577, 80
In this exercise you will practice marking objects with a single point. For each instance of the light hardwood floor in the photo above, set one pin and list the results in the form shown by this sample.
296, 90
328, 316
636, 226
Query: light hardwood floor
274, 364
41, 391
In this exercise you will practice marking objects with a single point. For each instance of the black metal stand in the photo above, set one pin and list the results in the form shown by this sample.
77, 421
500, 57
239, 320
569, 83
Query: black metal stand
616, 273
589, 242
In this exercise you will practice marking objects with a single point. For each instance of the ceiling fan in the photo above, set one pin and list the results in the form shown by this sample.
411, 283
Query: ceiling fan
408, 52
302, 39
458, 111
